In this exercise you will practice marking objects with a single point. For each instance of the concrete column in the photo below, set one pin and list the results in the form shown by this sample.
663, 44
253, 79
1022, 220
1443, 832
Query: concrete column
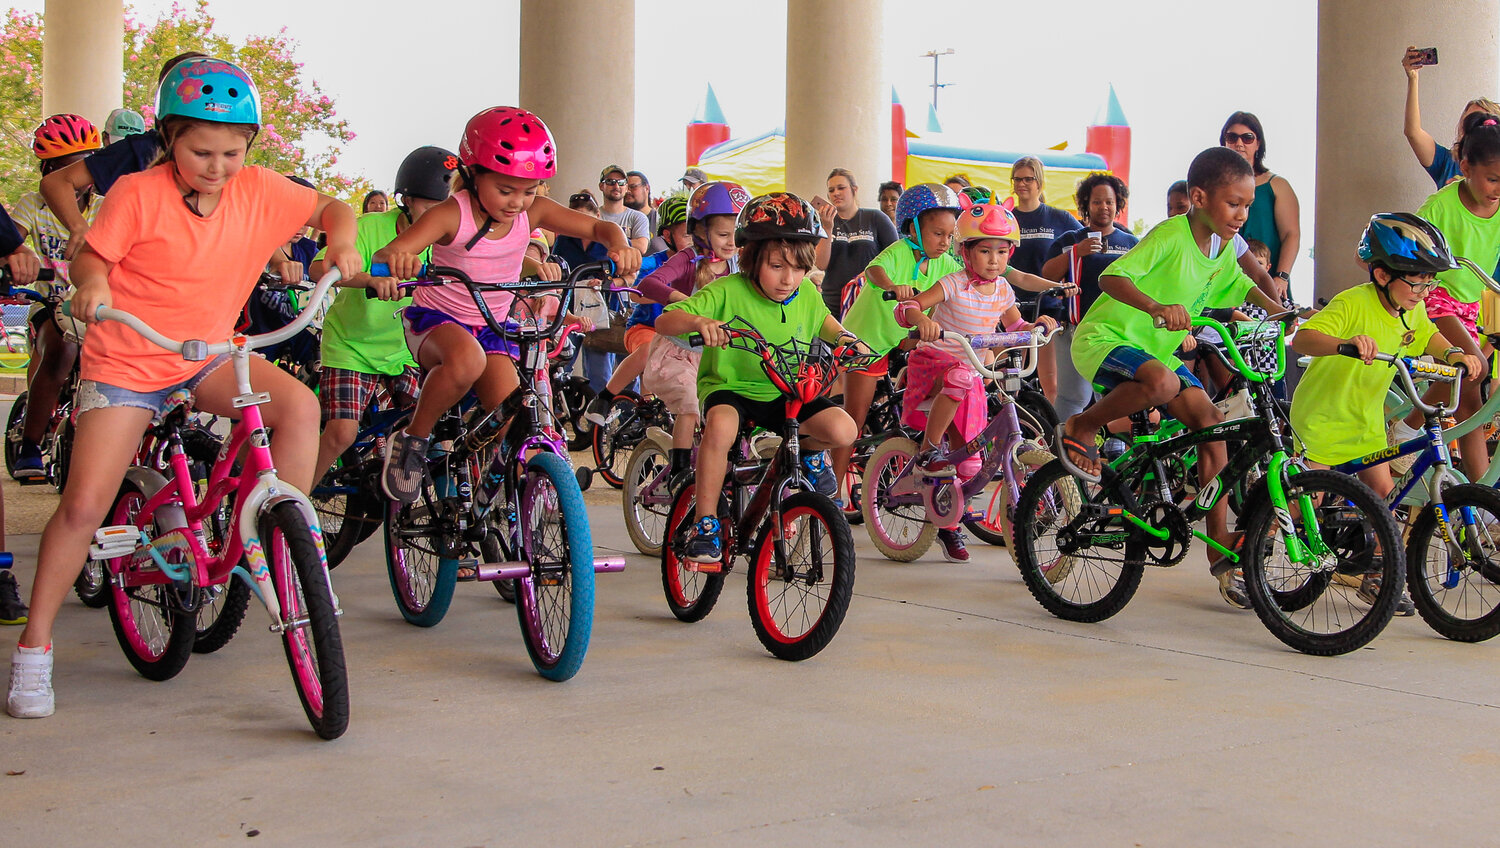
578, 73
83, 57
838, 107
1364, 163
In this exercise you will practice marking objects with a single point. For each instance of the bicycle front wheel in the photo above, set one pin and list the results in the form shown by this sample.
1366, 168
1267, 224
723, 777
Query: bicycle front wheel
1075, 567
1455, 584
420, 540
1341, 589
646, 505
314, 649
902, 533
801, 577
149, 621
691, 594
556, 605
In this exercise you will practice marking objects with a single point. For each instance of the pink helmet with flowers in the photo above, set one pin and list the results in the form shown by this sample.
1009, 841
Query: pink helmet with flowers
509, 141
987, 221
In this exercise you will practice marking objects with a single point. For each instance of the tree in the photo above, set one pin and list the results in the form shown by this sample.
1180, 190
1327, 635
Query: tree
300, 131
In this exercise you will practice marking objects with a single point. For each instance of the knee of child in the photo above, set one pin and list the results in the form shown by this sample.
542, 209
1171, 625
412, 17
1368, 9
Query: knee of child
838, 428
1161, 387
719, 427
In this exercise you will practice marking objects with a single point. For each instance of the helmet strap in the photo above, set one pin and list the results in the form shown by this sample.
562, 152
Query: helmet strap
481, 232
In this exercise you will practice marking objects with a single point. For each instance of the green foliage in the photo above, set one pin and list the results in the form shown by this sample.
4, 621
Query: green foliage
300, 134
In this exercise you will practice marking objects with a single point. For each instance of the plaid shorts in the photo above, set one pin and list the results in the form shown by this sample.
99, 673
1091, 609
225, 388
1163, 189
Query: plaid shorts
347, 394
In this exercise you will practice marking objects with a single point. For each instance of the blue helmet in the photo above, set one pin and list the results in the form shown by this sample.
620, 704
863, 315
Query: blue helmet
920, 198
209, 90
1405, 243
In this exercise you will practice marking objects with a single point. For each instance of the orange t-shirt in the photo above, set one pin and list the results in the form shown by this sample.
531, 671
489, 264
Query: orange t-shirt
186, 276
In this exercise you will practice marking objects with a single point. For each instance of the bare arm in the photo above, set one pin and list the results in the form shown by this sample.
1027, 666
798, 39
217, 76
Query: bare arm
1422, 143
823, 254
1056, 268
550, 215
1125, 291
1288, 225
335, 218
60, 191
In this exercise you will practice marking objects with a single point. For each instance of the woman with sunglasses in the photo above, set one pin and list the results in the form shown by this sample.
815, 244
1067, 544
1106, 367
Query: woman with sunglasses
1275, 216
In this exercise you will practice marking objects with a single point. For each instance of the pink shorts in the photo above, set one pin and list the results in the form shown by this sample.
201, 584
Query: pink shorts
1440, 304
931, 370
672, 375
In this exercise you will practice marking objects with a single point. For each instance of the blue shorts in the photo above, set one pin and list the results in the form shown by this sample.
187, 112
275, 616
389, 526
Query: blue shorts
1122, 363
419, 321
95, 395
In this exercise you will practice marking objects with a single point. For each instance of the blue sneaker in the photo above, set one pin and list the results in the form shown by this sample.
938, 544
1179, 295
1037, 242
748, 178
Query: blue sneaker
820, 474
704, 547
28, 464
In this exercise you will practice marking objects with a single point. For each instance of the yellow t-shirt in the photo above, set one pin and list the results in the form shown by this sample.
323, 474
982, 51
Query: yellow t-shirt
1338, 410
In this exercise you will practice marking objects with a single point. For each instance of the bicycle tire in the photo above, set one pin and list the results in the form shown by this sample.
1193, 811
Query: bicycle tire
646, 523
347, 518
417, 535
1042, 411
691, 595
314, 649
149, 623
1460, 600
903, 533
1068, 585
993, 526
610, 453
219, 618
13, 424
1333, 621
797, 610
556, 606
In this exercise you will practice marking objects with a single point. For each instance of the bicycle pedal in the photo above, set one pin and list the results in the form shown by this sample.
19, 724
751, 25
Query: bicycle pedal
470, 565
115, 541
702, 567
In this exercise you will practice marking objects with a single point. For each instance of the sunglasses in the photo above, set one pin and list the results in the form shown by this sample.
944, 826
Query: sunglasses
612, 182
1242, 138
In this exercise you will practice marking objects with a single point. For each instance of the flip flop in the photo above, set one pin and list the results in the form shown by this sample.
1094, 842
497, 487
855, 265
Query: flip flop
1065, 444
1224, 563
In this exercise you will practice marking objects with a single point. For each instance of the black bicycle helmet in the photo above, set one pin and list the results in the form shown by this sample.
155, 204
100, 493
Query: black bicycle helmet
1405, 243
779, 215
425, 173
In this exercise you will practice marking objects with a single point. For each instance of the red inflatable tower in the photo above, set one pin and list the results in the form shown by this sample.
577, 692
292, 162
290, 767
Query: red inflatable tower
1109, 137
707, 127
898, 139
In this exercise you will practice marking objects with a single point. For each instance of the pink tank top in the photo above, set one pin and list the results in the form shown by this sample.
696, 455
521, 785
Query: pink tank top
491, 261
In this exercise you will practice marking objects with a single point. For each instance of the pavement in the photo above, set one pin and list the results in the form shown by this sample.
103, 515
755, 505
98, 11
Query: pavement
950, 710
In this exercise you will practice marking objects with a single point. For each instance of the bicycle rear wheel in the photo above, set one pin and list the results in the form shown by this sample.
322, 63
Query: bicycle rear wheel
314, 648
421, 541
1312, 602
611, 450
691, 594
901, 533
801, 577
556, 605
13, 432
1077, 569
150, 624
646, 520
1456, 588
92, 585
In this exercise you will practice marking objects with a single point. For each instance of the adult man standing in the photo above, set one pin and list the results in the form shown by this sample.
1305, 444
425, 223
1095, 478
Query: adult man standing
612, 186
638, 196
692, 178
855, 236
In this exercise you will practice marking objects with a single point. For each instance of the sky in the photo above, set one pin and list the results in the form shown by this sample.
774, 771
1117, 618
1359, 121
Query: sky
1020, 78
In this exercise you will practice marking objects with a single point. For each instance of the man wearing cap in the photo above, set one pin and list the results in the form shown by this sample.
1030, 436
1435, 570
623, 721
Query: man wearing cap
638, 197
612, 184
121, 123
692, 178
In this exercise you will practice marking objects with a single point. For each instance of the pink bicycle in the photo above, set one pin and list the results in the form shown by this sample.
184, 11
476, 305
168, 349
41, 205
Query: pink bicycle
164, 547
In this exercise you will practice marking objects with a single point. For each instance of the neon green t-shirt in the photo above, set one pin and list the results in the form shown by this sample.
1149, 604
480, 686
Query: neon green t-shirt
1468, 235
1168, 266
735, 296
872, 318
1339, 408
364, 334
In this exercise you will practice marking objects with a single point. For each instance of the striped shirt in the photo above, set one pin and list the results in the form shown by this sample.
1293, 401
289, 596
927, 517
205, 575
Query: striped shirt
967, 310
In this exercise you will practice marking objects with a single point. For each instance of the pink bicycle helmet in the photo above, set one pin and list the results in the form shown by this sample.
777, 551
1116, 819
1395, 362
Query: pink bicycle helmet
63, 135
987, 221
509, 141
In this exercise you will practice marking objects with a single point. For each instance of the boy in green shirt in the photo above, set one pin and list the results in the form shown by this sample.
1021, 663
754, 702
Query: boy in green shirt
364, 344
1184, 265
777, 234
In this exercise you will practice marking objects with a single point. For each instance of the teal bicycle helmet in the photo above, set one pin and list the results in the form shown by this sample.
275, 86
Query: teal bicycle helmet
208, 89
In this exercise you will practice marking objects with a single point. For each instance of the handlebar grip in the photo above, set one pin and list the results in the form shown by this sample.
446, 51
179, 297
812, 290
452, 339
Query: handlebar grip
1159, 322
380, 269
47, 275
695, 340
67, 309
1349, 350
888, 295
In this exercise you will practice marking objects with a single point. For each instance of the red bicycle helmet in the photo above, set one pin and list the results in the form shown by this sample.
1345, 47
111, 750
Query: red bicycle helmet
64, 135
509, 141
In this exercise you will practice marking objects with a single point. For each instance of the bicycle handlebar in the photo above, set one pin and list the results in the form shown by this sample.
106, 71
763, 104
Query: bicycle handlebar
1031, 340
1432, 370
196, 350
1266, 329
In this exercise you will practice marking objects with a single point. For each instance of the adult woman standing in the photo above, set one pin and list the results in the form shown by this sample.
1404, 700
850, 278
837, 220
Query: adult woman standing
1041, 225
855, 236
1275, 216
1439, 162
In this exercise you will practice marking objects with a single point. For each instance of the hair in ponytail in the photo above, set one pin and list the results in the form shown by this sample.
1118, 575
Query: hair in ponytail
1481, 142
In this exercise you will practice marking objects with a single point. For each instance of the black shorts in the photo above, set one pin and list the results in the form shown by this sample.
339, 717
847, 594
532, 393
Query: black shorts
763, 413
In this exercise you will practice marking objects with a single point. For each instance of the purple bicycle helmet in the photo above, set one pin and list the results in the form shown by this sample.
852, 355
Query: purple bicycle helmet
921, 198
719, 197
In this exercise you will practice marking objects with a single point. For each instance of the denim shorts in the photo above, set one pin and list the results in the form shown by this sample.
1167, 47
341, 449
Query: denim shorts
1122, 363
95, 395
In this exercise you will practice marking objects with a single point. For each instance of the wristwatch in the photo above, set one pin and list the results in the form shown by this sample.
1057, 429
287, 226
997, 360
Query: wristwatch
1283, 275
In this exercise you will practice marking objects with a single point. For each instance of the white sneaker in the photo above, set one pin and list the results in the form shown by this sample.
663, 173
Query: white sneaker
30, 683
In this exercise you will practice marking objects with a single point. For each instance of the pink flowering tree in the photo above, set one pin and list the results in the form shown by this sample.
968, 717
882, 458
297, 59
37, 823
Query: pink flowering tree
301, 131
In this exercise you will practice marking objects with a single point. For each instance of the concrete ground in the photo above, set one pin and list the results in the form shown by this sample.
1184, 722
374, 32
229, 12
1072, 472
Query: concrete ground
951, 709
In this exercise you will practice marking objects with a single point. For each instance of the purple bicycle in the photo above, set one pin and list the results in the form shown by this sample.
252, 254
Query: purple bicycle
903, 509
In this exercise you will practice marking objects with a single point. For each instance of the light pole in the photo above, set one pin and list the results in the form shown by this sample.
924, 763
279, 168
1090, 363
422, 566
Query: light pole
933, 55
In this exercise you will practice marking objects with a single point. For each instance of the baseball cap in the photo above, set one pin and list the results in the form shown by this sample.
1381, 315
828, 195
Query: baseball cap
123, 122
695, 176
610, 169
